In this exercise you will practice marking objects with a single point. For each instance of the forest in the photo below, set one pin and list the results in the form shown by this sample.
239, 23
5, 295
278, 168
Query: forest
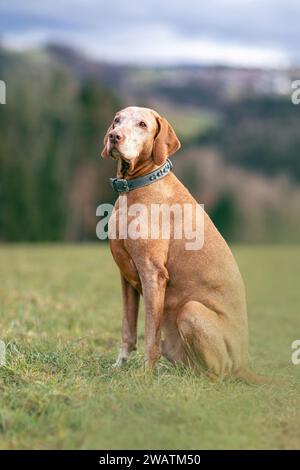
239, 157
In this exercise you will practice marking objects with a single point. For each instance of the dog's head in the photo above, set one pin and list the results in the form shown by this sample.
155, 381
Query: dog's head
137, 134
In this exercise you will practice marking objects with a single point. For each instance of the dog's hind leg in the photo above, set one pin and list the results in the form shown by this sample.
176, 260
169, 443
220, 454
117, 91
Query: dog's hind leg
206, 349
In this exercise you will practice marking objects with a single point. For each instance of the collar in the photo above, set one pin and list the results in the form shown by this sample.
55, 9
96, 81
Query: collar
121, 185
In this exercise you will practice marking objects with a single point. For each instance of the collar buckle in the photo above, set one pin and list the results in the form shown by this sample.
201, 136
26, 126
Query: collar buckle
119, 185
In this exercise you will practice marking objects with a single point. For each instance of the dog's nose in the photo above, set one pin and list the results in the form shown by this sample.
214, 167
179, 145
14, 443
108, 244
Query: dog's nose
115, 137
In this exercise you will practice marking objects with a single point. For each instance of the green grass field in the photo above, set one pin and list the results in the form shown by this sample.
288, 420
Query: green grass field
60, 319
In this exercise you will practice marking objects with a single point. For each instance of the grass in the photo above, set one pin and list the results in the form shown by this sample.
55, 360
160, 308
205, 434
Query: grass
60, 319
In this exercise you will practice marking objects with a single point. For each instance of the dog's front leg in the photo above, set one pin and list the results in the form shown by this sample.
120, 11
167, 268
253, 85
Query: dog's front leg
154, 284
131, 298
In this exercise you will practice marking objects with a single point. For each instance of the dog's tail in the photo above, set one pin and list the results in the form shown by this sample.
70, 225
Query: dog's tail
250, 378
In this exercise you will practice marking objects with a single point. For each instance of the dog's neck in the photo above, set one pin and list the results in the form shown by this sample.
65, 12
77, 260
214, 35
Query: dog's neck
128, 171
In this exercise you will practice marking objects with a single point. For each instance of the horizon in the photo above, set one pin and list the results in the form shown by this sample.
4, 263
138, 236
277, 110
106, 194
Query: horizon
77, 51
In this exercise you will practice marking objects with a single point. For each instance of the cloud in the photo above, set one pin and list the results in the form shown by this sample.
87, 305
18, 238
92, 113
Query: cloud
253, 32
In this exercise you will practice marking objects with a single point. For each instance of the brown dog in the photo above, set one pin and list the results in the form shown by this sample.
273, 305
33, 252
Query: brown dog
195, 297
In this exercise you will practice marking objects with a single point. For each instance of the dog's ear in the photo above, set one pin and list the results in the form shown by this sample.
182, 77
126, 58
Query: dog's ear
104, 152
166, 142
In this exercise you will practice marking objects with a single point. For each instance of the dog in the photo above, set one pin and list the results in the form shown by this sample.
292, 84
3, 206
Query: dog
195, 299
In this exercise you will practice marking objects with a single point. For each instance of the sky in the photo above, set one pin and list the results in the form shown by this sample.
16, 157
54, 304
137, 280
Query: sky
232, 32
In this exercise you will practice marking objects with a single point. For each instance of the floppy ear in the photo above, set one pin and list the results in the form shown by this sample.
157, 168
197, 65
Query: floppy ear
104, 152
166, 142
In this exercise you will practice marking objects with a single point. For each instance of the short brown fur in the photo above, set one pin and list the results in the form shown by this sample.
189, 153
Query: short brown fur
195, 298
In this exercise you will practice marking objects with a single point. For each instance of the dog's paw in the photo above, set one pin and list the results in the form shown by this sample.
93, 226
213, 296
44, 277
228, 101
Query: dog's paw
121, 360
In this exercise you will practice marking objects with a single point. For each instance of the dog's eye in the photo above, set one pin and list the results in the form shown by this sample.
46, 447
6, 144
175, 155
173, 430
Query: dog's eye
116, 120
142, 124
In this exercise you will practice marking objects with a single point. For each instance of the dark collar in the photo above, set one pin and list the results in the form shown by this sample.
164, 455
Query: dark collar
121, 185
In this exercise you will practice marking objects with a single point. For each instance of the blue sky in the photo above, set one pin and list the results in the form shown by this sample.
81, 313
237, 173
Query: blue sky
237, 32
